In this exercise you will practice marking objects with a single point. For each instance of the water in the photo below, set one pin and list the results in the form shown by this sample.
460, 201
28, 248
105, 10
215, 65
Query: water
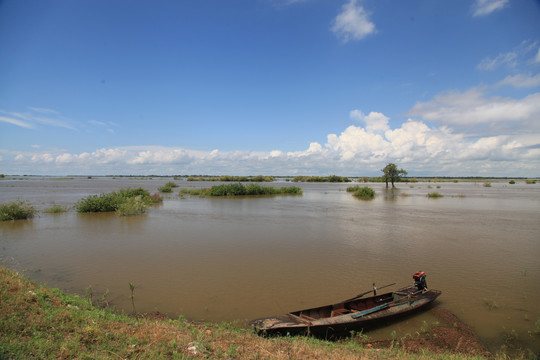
239, 259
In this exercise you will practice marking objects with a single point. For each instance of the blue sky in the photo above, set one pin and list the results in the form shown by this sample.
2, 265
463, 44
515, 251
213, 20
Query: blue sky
274, 87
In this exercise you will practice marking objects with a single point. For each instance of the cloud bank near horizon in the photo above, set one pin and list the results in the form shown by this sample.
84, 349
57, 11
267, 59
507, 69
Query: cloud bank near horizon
440, 137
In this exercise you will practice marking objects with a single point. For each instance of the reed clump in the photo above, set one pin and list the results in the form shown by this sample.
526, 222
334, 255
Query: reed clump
331, 179
55, 209
365, 193
16, 210
434, 195
239, 189
251, 189
125, 202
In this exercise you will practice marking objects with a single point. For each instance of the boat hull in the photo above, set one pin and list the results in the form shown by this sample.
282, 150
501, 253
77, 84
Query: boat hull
348, 316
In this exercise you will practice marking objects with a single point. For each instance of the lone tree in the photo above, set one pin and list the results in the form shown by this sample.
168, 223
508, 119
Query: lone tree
392, 174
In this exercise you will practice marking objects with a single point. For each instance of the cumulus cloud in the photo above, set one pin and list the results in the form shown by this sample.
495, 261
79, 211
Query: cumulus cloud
352, 23
375, 121
486, 7
358, 150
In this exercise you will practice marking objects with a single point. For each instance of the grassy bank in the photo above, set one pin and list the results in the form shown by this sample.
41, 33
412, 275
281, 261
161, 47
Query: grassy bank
44, 323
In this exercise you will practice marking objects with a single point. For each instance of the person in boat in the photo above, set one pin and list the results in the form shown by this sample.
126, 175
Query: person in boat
420, 280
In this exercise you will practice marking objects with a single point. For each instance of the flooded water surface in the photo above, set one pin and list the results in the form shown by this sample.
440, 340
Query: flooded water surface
239, 259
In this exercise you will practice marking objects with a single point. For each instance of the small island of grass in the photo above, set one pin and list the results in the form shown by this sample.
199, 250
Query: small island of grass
16, 210
239, 189
124, 202
364, 193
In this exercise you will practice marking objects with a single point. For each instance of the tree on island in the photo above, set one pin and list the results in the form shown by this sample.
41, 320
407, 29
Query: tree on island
392, 174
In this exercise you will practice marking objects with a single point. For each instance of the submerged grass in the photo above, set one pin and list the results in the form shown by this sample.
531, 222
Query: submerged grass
16, 210
55, 209
43, 323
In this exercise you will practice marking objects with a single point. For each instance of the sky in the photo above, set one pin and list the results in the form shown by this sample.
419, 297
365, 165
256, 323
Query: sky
273, 87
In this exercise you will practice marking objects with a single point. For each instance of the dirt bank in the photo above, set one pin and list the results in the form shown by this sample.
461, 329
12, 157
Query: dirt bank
450, 335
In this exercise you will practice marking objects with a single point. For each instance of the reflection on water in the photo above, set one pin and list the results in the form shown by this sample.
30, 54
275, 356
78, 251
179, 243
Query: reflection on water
228, 259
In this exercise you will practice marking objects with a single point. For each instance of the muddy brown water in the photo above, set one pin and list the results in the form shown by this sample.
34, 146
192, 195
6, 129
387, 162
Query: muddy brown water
239, 259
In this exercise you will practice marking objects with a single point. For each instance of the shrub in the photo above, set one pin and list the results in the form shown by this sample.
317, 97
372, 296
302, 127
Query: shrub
55, 209
365, 193
165, 189
353, 188
113, 201
434, 195
132, 206
171, 184
511, 182
16, 210
530, 181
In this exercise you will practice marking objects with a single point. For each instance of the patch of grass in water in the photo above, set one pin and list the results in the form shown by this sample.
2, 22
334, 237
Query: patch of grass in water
16, 210
365, 193
55, 209
434, 195
125, 202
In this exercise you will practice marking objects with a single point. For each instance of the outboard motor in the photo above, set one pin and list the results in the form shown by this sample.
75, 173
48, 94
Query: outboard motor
420, 280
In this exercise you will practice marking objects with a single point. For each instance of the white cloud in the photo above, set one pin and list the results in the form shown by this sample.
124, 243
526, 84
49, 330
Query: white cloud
486, 7
521, 80
537, 58
358, 150
14, 121
352, 23
511, 59
471, 112
38, 116
488, 63
375, 121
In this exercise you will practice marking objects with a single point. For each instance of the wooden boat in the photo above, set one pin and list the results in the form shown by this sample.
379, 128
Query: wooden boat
350, 315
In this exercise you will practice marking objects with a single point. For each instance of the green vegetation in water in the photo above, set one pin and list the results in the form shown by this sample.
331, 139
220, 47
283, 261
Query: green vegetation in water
241, 190
434, 195
364, 193
228, 178
55, 209
16, 210
331, 179
124, 202
512, 182
193, 191
487, 184
251, 189
530, 181
168, 187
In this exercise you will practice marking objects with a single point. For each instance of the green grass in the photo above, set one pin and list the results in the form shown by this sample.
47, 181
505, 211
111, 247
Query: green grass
250, 190
530, 181
365, 193
331, 178
125, 202
238, 189
16, 210
55, 209
434, 195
